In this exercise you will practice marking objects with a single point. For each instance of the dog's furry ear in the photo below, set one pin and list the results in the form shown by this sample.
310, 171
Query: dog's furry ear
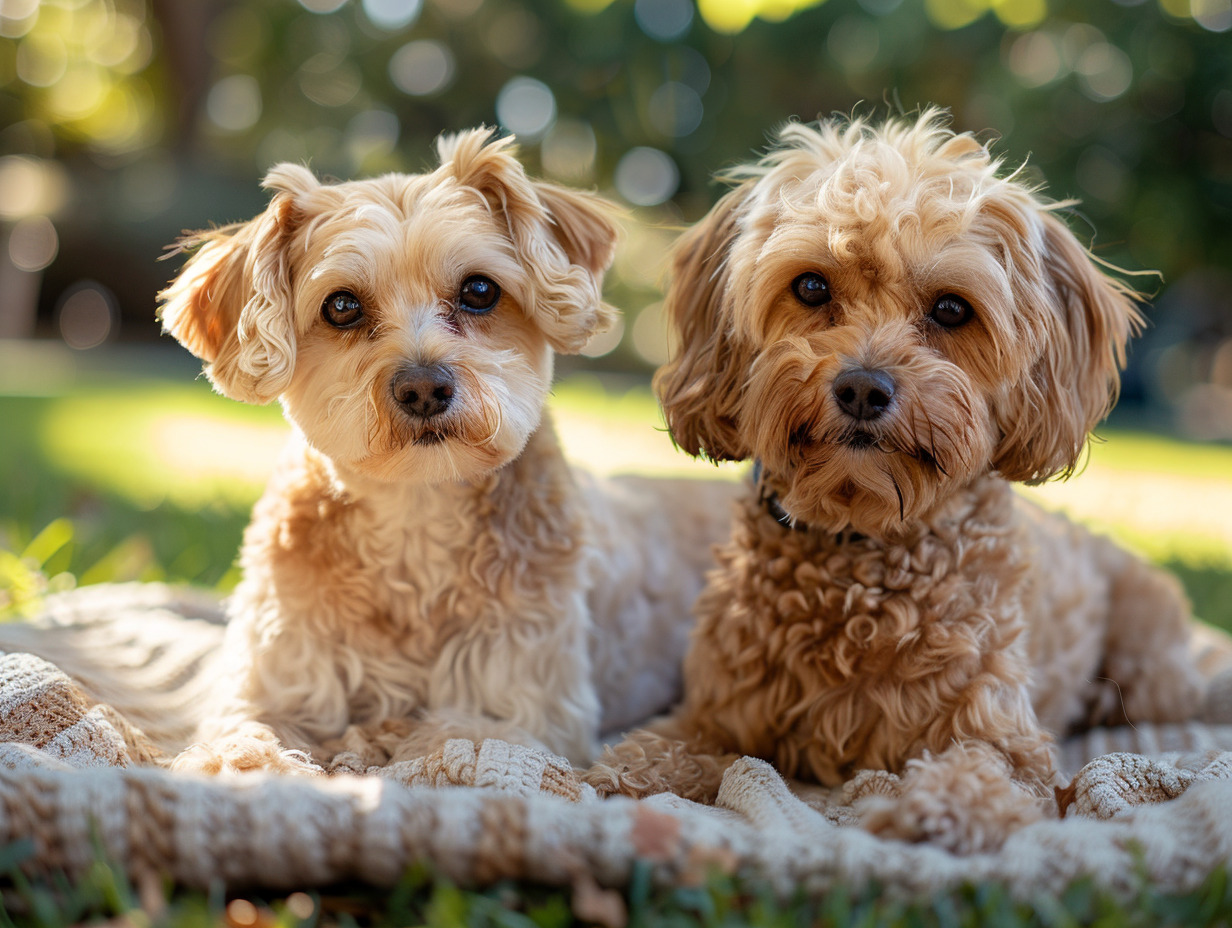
1075, 383
700, 387
565, 238
583, 223
231, 304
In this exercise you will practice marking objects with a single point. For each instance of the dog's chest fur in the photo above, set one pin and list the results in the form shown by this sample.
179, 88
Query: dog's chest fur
836, 654
372, 596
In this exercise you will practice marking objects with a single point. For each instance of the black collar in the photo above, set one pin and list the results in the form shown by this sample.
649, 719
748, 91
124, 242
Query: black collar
770, 500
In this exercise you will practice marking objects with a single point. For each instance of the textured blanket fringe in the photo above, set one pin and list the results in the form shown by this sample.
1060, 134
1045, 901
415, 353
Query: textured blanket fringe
76, 774
297, 833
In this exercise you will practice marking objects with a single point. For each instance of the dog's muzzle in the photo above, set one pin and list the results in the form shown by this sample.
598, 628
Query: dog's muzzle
423, 391
864, 394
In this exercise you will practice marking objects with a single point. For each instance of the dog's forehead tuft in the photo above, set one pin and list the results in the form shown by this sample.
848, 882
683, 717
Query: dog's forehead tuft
856, 166
860, 201
383, 211
395, 196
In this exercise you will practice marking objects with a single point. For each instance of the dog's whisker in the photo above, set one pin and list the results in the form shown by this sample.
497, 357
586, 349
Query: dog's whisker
934, 459
450, 460
902, 515
495, 430
1120, 698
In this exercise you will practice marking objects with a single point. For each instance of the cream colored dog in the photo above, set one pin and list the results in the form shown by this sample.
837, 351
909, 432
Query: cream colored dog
424, 564
896, 331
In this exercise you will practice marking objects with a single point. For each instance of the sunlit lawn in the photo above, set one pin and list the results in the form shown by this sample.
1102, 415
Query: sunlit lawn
144, 473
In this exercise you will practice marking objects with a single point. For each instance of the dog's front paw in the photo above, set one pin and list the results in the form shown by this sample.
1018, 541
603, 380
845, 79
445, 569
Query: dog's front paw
620, 780
940, 820
244, 752
646, 764
964, 809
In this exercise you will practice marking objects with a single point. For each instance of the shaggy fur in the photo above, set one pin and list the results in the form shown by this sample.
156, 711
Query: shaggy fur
886, 601
412, 574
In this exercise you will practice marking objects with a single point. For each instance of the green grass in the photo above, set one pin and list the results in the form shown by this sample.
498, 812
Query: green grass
142, 478
420, 898
83, 502
1141, 452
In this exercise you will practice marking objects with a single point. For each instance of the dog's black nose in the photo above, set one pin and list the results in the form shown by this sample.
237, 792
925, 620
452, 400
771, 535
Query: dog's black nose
424, 391
864, 394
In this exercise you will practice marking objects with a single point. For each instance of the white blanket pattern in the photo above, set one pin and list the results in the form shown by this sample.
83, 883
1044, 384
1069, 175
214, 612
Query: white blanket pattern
75, 773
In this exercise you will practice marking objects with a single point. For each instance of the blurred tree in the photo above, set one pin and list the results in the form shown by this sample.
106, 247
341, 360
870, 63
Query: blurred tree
162, 114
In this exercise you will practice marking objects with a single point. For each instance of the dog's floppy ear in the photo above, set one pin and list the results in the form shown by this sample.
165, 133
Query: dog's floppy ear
584, 224
1088, 323
700, 387
231, 304
565, 238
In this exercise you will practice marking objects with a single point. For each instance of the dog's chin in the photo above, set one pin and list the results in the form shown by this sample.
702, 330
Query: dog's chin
435, 457
406, 451
861, 484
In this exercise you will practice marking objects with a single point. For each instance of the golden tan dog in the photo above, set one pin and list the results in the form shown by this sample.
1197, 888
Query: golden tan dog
424, 563
895, 331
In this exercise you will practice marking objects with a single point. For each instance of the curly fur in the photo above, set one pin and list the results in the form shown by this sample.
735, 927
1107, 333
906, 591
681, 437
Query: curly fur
445, 576
918, 617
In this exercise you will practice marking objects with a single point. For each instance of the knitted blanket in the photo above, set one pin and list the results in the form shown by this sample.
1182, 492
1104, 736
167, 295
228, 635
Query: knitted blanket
78, 773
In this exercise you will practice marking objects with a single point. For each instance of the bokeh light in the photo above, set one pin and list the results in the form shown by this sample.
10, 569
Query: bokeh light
392, 14
321, 6
650, 335
33, 243
526, 107
329, 79
86, 62
42, 59
30, 187
675, 109
665, 20
1105, 72
1215, 15
691, 68
1035, 59
1020, 14
732, 16
568, 150
87, 315
604, 343
422, 68
646, 176
16, 17
234, 103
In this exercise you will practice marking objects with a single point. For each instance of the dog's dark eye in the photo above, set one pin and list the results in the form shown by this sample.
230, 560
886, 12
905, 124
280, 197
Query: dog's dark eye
951, 311
342, 309
478, 294
811, 289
